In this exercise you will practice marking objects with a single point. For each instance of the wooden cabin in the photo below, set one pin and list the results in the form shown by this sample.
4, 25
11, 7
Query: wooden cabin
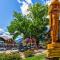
6, 41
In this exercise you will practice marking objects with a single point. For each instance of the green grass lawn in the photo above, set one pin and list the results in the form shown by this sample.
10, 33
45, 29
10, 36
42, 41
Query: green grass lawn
40, 57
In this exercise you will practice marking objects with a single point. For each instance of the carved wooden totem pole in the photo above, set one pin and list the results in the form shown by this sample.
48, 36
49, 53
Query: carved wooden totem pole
53, 49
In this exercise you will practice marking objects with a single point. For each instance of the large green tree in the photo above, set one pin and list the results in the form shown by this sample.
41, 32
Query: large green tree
32, 25
38, 14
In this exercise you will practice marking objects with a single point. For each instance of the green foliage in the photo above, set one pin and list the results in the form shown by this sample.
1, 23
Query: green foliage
15, 25
28, 53
40, 57
34, 24
39, 10
12, 56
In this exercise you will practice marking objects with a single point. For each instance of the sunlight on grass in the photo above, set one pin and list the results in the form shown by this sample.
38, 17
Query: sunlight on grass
40, 57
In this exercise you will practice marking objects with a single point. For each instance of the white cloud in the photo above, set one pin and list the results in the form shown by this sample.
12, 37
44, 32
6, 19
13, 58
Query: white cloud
24, 8
29, 1
18, 1
1, 31
4, 33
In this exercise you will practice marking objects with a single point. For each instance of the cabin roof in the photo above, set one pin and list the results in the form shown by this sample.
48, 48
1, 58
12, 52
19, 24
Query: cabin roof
5, 37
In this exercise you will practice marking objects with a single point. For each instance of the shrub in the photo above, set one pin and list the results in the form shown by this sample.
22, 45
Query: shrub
12, 56
28, 53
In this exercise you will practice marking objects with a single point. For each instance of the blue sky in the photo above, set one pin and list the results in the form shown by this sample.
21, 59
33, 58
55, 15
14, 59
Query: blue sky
6, 11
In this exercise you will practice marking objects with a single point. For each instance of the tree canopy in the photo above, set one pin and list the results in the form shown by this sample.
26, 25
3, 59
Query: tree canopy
34, 24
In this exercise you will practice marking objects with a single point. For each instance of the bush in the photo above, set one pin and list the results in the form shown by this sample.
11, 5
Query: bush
28, 53
12, 56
